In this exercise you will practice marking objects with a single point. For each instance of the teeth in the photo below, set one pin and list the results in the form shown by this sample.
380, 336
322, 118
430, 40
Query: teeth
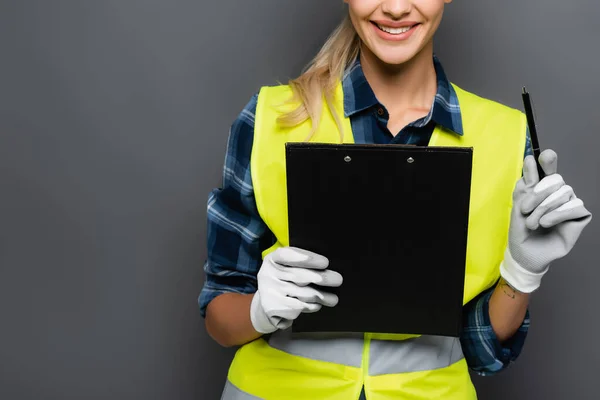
394, 31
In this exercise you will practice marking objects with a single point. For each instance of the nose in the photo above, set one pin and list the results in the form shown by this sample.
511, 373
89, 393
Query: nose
396, 9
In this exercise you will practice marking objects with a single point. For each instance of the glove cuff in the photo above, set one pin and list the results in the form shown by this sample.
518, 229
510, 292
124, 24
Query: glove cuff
518, 277
258, 317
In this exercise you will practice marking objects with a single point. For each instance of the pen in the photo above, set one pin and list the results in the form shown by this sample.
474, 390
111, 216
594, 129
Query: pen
532, 131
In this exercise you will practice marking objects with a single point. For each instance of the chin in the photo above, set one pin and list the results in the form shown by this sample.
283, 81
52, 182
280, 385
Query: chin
395, 56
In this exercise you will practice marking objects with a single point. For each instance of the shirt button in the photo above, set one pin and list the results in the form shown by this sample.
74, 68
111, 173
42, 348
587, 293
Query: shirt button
380, 111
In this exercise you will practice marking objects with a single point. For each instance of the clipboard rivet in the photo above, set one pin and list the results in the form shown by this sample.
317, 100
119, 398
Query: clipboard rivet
347, 159
410, 160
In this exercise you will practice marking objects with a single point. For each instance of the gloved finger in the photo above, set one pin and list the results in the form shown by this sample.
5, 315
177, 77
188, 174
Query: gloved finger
530, 173
295, 257
284, 323
290, 307
329, 299
573, 210
311, 295
552, 202
304, 277
540, 192
299, 276
549, 161
331, 278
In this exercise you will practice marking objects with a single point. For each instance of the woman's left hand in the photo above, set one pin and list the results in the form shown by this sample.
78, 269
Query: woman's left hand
546, 221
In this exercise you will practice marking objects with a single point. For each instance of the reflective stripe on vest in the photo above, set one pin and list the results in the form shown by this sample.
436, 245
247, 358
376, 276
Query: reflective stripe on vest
345, 350
421, 353
389, 366
424, 353
417, 354
231, 392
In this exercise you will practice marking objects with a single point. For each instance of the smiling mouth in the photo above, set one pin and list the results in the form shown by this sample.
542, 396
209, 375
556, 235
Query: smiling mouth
394, 31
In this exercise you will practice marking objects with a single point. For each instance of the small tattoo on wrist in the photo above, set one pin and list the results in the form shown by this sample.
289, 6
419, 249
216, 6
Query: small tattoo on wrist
508, 290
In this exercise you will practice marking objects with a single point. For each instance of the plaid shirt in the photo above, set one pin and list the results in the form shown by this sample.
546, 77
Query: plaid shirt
237, 235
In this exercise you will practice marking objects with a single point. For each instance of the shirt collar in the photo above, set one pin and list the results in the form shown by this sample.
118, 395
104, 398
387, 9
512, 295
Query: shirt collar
445, 110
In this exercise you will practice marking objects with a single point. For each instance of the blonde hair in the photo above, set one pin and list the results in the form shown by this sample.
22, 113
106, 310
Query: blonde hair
320, 78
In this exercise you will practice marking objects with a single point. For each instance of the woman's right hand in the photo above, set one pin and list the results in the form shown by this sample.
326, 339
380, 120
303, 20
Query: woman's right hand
283, 288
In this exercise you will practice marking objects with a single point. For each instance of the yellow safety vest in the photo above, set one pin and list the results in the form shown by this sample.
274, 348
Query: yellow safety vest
391, 367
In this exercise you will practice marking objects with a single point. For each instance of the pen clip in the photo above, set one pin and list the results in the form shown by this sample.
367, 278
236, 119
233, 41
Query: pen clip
532, 103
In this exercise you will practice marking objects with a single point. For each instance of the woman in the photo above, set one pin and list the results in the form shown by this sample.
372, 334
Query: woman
376, 80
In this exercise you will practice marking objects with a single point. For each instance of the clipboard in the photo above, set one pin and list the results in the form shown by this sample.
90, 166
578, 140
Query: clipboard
393, 220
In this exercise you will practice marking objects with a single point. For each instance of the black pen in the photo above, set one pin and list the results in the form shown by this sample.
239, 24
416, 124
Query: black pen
532, 131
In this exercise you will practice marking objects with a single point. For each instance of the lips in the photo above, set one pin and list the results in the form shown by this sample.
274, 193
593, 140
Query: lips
394, 28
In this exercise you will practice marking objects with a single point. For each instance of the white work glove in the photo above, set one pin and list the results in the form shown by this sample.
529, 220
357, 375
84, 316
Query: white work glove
546, 221
283, 292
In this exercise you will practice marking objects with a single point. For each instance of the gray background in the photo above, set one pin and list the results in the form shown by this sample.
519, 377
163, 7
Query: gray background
114, 117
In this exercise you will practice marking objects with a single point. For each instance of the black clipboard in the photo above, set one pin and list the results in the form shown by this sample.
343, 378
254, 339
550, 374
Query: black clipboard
393, 220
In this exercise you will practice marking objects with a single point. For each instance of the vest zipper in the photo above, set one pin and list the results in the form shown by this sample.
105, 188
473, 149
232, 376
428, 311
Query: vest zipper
365, 359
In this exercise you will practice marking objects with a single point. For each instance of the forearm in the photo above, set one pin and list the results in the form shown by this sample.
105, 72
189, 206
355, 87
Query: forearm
507, 309
228, 319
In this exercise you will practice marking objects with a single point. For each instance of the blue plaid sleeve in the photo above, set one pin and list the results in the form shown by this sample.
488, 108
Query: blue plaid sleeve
236, 235
483, 352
